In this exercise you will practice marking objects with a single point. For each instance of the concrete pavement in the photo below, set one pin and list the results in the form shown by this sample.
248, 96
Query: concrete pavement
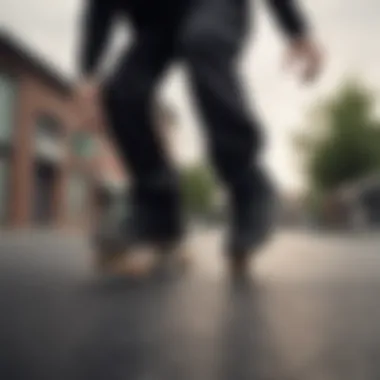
310, 311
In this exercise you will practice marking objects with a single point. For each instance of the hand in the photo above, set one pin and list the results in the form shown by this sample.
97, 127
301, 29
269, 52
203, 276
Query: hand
306, 52
86, 100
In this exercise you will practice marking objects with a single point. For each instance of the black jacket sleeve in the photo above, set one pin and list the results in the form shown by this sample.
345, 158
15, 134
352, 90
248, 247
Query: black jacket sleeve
289, 16
95, 29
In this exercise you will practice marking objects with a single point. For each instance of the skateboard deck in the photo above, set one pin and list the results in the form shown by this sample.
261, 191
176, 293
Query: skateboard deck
142, 260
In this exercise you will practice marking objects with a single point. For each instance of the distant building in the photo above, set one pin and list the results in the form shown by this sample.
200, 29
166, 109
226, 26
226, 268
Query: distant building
48, 173
358, 203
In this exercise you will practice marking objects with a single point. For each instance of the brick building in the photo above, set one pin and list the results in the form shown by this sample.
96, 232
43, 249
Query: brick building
53, 172
49, 174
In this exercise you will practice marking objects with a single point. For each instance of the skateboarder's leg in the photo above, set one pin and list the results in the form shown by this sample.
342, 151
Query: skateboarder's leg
128, 103
212, 40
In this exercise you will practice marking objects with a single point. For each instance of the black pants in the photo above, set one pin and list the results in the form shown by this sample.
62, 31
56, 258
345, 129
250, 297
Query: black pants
207, 36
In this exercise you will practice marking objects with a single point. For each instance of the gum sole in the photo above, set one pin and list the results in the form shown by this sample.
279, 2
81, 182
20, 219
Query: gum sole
137, 263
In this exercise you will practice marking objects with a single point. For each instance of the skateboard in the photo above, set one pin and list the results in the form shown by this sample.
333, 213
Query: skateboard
114, 255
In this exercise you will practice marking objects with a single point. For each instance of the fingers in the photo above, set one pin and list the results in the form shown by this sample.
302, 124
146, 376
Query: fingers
306, 54
313, 65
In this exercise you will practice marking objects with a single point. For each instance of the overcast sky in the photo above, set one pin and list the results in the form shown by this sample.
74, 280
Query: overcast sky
348, 29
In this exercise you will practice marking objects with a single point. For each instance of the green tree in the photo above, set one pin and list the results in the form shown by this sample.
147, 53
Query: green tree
343, 141
198, 189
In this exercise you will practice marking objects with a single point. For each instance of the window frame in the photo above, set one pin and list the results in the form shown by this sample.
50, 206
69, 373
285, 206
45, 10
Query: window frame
8, 140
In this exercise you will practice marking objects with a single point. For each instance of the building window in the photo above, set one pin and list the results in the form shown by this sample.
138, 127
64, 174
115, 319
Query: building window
83, 144
7, 107
48, 138
44, 194
4, 190
48, 127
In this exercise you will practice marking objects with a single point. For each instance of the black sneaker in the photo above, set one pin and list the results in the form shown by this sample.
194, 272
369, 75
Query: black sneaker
116, 236
252, 218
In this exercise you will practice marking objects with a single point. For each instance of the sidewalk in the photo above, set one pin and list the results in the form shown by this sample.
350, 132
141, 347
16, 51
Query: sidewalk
41, 231
41, 236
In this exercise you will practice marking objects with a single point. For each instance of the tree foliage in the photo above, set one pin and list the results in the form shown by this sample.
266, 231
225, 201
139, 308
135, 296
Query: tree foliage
343, 141
198, 189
